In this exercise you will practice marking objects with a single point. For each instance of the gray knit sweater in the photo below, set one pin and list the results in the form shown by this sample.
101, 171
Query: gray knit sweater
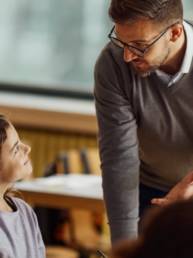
145, 131
19, 233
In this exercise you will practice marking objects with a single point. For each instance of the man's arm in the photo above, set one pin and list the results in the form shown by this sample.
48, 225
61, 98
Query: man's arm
118, 148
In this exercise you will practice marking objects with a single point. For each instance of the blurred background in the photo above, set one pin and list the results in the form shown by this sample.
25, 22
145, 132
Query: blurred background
52, 43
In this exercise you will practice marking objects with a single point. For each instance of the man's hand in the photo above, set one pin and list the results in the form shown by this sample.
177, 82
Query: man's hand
182, 191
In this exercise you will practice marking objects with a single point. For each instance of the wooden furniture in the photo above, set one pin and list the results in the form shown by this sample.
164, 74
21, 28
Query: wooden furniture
60, 252
79, 193
64, 191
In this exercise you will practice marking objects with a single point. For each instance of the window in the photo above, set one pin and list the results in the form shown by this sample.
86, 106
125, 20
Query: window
51, 44
188, 9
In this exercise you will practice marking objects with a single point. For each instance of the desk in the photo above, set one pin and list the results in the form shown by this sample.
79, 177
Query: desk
64, 191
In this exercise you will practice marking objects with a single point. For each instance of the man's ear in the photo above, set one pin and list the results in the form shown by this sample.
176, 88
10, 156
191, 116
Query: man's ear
176, 32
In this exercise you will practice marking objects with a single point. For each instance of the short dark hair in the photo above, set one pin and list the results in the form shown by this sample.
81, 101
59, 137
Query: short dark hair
167, 232
159, 11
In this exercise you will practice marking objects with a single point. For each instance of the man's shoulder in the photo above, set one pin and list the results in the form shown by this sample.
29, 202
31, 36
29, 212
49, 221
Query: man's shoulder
110, 54
111, 62
110, 49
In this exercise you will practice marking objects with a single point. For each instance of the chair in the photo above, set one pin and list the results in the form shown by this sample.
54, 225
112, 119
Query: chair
60, 252
78, 229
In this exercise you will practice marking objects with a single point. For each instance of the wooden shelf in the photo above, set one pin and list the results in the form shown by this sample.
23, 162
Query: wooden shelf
27, 110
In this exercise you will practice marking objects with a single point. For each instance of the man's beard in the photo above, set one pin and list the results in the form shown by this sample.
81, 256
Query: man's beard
152, 68
145, 73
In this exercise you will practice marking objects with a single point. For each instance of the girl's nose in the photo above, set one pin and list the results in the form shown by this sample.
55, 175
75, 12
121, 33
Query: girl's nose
128, 55
27, 148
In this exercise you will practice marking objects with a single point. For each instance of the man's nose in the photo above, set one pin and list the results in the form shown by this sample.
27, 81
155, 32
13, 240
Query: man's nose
128, 56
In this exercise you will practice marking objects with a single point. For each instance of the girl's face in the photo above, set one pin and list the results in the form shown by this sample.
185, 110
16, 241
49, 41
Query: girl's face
14, 160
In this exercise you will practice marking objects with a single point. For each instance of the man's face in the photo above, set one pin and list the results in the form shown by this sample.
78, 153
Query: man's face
140, 34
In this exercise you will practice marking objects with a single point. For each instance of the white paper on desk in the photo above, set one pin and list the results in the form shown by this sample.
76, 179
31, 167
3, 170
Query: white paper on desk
80, 181
77, 185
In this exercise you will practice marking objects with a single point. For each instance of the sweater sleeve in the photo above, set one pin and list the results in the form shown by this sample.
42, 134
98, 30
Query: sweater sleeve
118, 148
40, 246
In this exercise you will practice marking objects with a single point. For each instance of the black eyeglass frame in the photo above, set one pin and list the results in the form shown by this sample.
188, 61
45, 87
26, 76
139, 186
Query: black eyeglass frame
138, 51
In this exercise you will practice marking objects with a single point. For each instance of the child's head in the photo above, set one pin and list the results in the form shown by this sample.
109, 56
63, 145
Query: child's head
167, 232
128, 249
14, 155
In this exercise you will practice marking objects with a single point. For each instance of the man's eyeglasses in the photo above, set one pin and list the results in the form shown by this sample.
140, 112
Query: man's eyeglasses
134, 49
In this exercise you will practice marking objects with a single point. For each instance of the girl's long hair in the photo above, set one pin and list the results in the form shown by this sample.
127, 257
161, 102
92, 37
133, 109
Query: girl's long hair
4, 125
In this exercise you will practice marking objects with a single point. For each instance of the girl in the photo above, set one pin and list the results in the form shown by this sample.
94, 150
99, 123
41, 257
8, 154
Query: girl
19, 232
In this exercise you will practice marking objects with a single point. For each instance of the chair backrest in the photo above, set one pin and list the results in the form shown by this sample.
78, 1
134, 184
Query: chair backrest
60, 252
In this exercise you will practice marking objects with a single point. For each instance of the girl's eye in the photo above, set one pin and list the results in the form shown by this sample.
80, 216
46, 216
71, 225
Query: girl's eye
16, 149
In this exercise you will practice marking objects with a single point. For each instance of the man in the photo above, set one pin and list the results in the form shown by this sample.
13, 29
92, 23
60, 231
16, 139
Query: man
144, 104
